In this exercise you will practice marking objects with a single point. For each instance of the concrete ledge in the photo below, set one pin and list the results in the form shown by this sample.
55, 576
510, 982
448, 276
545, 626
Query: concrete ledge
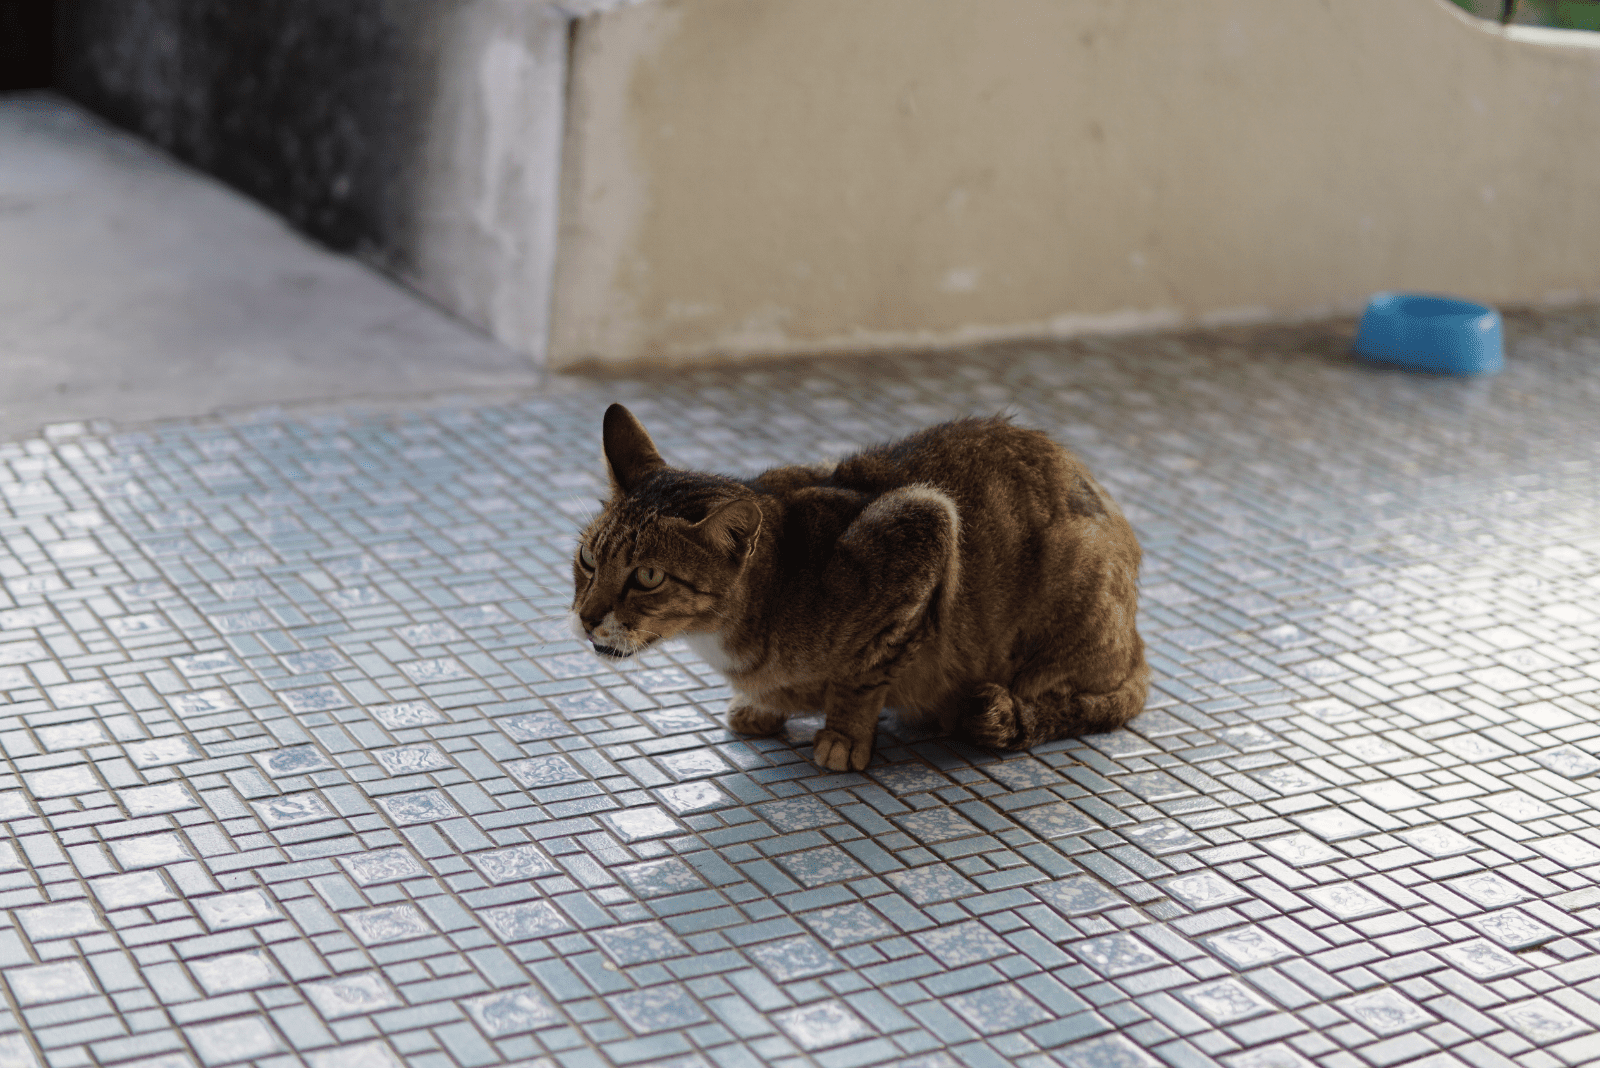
761, 176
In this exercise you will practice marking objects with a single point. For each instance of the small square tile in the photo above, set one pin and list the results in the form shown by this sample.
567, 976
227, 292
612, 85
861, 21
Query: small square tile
544, 771
848, 925
42, 922
1246, 947
150, 850
235, 971
1513, 929
43, 983
397, 923
1386, 1012
1116, 955
963, 944
347, 995
515, 923
127, 891
657, 1008
406, 714
1107, 1051
423, 806
1079, 895
821, 1025
382, 866
1482, 959
159, 752
295, 760
789, 959
651, 878
245, 908
232, 1041
1347, 901
412, 759
1204, 890
152, 800
640, 943
290, 810
511, 1012
1540, 1021
638, 824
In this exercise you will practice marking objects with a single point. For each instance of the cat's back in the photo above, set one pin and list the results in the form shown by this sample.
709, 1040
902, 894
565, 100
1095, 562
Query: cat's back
984, 464
942, 452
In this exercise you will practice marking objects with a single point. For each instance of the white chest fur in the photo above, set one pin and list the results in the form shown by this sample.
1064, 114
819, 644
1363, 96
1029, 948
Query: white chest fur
708, 647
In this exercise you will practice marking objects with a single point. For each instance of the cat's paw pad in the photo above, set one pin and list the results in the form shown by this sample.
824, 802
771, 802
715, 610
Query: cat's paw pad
995, 723
835, 752
750, 719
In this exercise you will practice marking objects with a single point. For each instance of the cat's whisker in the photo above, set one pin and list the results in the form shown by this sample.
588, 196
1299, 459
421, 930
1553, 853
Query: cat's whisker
539, 622
551, 590
650, 638
590, 514
542, 642
530, 600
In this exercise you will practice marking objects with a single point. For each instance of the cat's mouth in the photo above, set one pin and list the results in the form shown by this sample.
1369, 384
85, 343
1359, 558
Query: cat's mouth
610, 652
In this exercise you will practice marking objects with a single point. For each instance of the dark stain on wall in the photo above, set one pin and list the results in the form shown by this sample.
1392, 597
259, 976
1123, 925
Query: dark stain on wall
25, 43
314, 108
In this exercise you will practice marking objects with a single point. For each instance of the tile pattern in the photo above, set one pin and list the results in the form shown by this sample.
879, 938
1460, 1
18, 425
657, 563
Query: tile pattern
301, 767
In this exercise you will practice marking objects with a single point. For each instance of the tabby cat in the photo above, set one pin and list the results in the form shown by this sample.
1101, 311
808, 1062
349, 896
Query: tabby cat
972, 572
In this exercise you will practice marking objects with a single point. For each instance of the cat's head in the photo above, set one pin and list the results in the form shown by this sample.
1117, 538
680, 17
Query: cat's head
667, 552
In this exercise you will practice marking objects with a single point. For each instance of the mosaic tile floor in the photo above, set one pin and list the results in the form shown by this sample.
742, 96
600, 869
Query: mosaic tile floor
302, 767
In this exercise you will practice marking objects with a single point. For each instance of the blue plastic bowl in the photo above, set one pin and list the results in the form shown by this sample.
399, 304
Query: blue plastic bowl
1428, 333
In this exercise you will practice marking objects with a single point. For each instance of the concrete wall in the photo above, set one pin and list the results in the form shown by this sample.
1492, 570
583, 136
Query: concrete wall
776, 176
483, 222
421, 135
770, 176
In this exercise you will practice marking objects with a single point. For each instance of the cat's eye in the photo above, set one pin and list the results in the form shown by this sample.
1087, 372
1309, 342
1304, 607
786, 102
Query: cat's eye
585, 557
649, 577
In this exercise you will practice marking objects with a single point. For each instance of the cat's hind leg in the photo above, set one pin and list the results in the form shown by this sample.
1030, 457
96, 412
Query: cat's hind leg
766, 713
1004, 720
755, 719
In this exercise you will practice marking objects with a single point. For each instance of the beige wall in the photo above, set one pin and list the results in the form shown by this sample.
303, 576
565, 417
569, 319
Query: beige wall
769, 176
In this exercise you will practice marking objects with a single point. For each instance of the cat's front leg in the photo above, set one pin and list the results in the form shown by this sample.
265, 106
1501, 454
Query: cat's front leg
845, 741
892, 570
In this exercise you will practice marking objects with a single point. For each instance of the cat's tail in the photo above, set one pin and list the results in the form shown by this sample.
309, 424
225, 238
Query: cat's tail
1002, 720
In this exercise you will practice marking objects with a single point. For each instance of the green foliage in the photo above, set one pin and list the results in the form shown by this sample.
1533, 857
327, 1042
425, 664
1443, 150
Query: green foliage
1563, 14
1576, 15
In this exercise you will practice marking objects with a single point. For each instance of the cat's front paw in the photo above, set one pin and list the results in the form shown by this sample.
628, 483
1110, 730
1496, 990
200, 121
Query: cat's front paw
835, 752
751, 719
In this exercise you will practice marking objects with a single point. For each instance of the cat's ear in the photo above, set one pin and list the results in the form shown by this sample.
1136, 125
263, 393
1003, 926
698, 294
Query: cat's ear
730, 528
630, 454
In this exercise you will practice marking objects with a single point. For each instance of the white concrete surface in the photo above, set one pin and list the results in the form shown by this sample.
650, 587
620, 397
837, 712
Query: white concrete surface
132, 288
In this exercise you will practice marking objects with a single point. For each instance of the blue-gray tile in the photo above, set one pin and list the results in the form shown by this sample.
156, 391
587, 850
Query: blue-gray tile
336, 769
